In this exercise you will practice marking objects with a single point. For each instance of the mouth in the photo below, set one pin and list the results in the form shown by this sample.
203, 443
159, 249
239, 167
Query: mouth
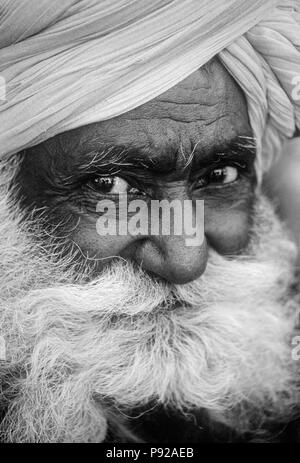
175, 305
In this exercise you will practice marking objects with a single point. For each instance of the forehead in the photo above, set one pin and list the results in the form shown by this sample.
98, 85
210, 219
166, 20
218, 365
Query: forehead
207, 109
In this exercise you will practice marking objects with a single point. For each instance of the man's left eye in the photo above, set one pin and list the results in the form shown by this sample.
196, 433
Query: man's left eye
111, 185
222, 175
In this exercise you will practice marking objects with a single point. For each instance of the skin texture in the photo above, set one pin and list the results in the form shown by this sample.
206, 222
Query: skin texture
170, 148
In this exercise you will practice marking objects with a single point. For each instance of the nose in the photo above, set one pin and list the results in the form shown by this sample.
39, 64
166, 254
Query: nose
170, 258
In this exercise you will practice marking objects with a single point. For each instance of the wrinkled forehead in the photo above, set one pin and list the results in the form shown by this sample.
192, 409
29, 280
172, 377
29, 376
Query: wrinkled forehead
206, 110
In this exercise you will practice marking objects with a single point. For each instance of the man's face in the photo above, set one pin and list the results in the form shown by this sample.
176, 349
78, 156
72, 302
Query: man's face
189, 143
156, 321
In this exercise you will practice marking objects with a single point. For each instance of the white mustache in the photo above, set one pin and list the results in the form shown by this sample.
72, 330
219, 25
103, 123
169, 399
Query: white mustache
214, 343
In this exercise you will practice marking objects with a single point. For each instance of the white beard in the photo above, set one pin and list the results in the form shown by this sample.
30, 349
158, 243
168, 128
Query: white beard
74, 348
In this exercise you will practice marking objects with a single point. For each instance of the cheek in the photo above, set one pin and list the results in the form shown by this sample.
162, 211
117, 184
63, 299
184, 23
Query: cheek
227, 226
227, 230
95, 246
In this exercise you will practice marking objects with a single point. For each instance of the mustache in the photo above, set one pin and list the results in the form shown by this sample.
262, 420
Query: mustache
129, 339
45, 269
119, 287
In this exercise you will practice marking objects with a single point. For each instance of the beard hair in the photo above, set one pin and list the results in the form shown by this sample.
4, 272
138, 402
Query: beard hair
77, 351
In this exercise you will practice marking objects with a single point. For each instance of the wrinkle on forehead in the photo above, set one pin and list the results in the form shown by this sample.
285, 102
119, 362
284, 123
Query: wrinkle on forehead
206, 109
206, 95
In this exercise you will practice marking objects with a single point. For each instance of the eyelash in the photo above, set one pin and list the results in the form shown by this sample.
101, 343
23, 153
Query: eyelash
131, 185
242, 170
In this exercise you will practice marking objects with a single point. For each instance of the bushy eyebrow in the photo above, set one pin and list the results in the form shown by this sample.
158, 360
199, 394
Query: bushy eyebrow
240, 148
114, 159
110, 158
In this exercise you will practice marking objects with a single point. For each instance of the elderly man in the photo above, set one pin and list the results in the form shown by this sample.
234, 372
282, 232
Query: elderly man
139, 337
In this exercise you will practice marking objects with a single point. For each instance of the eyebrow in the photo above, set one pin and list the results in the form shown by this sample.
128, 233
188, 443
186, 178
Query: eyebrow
239, 148
113, 159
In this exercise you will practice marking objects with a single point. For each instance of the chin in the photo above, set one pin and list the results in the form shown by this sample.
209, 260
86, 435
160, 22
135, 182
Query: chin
84, 359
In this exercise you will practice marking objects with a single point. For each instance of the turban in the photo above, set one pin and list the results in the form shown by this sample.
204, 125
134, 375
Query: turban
69, 63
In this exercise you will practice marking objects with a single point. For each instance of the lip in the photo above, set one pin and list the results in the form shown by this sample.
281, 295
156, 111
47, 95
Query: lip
175, 305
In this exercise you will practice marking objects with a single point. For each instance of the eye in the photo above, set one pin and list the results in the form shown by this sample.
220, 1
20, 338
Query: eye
223, 175
111, 186
219, 176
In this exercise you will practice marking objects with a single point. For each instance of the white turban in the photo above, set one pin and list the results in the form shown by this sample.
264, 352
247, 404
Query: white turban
68, 63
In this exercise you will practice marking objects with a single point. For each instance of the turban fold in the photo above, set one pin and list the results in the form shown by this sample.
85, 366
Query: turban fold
69, 63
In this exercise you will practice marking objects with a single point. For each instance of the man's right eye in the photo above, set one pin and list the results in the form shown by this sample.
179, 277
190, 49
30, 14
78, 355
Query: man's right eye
111, 185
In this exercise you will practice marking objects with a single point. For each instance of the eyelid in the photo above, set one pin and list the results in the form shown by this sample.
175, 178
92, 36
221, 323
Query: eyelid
87, 184
221, 163
242, 157
230, 159
243, 172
